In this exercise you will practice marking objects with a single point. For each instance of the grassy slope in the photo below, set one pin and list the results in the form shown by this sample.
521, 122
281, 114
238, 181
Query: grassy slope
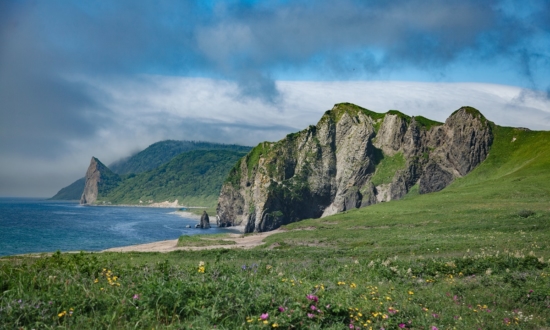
162, 152
477, 211
194, 178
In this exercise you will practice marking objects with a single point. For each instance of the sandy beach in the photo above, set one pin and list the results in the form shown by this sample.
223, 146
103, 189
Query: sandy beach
242, 242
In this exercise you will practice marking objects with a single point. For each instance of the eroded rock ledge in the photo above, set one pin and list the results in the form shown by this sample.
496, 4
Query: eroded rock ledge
352, 158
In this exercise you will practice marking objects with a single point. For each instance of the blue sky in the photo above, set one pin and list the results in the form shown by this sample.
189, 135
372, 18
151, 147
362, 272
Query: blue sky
75, 75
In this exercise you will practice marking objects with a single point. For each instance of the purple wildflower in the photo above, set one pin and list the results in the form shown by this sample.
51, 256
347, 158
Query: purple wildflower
264, 316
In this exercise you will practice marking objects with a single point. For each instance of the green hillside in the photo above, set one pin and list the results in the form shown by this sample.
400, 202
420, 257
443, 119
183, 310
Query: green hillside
72, 191
503, 205
151, 157
193, 178
162, 152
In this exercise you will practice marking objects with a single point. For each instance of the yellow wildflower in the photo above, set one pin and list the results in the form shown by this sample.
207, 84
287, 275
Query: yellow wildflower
411, 292
275, 325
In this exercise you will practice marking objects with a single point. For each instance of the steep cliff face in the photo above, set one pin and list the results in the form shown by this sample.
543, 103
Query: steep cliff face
352, 158
99, 181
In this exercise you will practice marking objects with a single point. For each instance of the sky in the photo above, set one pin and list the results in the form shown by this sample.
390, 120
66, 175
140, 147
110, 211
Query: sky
108, 78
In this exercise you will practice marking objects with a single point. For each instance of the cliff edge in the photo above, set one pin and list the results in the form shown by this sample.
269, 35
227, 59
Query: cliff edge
352, 158
99, 181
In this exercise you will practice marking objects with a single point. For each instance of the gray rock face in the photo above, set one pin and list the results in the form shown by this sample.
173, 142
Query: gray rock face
93, 176
205, 221
99, 180
352, 158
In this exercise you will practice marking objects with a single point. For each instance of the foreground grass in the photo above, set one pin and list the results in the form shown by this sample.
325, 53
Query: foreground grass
473, 256
303, 289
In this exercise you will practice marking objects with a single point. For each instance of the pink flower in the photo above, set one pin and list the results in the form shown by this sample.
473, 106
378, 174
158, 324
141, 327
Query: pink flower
434, 327
391, 310
401, 325
310, 315
351, 326
435, 315
135, 297
313, 307
264, 316
312, 297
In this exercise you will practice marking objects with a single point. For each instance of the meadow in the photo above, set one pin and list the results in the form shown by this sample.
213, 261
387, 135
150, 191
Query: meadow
473, 256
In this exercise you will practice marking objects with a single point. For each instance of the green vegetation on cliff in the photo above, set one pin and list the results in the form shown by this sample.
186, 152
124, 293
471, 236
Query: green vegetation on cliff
148, 159
193, 178
387, 167
162, 152
109, 180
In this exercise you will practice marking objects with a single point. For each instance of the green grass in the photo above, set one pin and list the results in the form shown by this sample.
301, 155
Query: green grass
205, 240
387, 167
474, 255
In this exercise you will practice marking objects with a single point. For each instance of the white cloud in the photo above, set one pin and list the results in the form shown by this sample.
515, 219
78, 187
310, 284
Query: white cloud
152, 108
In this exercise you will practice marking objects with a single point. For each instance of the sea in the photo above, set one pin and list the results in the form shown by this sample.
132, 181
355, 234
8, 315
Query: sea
30, 225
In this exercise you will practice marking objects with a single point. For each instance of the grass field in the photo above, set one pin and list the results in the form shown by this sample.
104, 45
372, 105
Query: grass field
473, 256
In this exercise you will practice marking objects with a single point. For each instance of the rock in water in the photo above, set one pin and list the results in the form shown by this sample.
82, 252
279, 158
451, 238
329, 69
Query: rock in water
205, 221
352, 158
99, 181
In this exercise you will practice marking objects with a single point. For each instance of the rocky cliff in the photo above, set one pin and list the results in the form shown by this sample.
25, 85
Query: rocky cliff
99, 181
352, 158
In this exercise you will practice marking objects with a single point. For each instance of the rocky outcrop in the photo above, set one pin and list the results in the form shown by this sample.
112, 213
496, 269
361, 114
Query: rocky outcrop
99, 181
205, 221
352, 158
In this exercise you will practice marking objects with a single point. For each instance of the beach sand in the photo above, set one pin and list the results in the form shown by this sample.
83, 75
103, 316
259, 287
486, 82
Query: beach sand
242, 242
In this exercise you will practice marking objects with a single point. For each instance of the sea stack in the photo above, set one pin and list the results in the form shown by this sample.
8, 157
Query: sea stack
205, 221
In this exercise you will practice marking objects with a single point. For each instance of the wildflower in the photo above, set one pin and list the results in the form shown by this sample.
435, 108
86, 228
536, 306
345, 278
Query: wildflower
264, 316
268, 267
281, 309
96, 280
411, 292
265, 322
312, 297
135, 297
353, 285
243, 267
201, 267
310, 315
384, 316
275, 325
435, 315
351, 326
434, 327
63, 313
402, 325
392, 310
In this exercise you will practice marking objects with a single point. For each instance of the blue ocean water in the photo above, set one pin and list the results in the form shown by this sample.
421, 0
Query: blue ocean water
34, 225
